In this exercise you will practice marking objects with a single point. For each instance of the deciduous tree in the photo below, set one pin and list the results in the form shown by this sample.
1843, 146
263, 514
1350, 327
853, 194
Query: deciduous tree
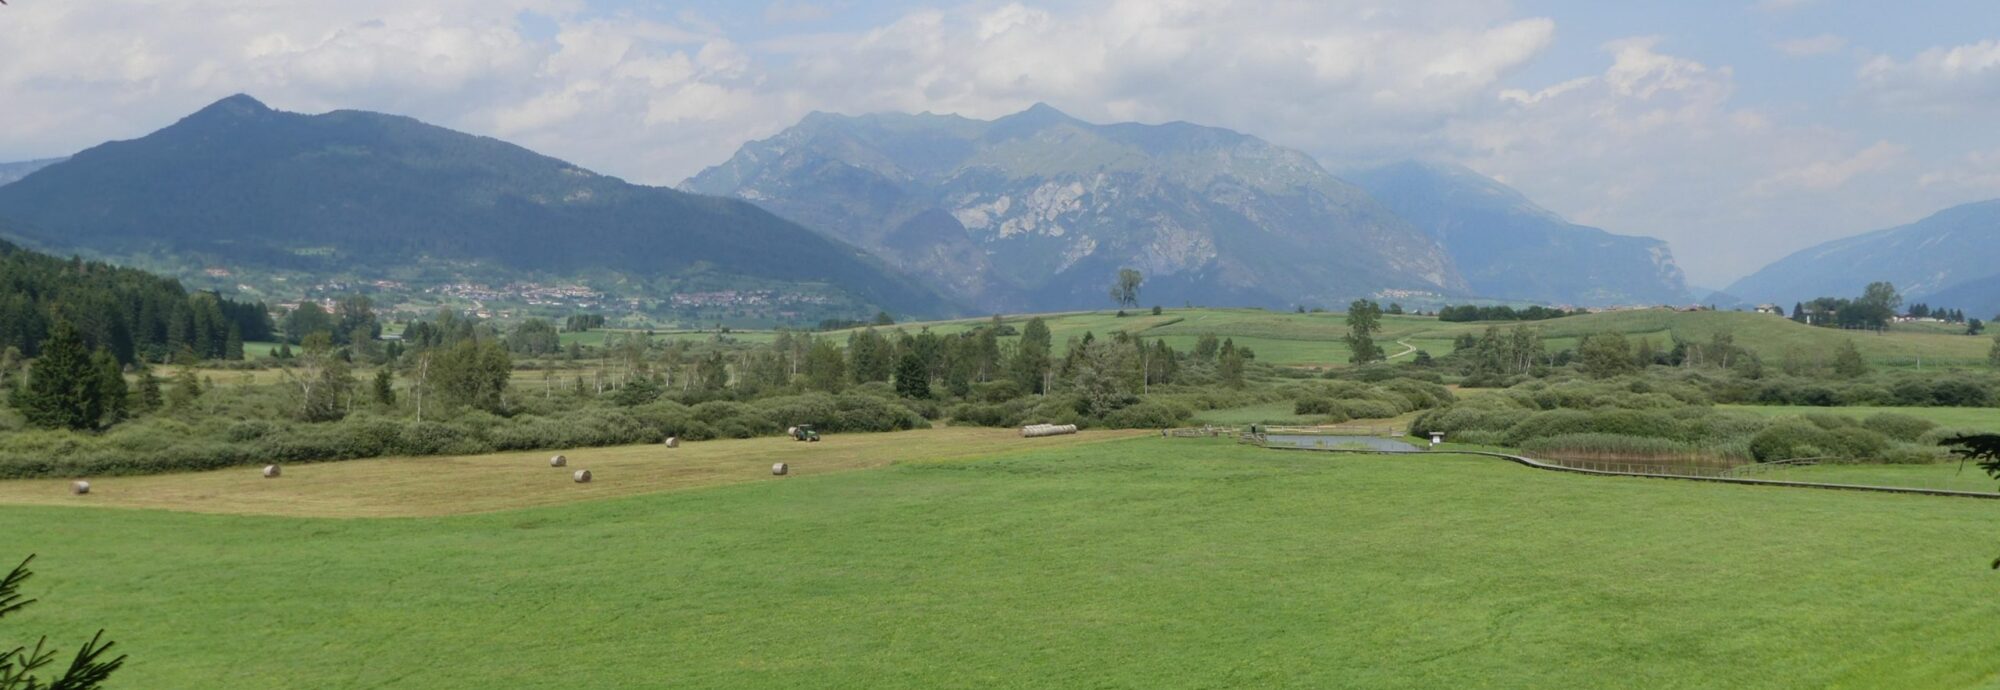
1125, 290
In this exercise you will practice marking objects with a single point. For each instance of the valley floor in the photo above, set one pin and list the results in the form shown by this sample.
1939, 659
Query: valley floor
1144, 562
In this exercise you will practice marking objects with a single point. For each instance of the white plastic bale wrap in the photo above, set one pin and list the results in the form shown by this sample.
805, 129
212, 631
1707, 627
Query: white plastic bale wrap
558, 461
581, 476
1038, 430
673, 441
272, 471
79, 488
781, 469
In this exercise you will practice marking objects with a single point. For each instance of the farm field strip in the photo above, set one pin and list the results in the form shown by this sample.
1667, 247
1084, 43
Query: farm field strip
446, 485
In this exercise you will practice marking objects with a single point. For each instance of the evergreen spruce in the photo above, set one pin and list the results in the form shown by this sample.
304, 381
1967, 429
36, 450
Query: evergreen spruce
232, 348
385, 387
62, 390
913, 379
149, 397
187, 389
113, 396
1847, 362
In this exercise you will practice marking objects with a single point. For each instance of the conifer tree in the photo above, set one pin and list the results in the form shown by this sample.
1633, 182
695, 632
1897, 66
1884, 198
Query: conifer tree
149, 398
385, 386
62, 390
913, 379
113, 396
232, 348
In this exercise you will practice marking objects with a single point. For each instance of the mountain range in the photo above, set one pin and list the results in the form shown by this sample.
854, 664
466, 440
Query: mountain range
240, 184
1946, 259
921, 214
1509, 248
1039, 210
10, 172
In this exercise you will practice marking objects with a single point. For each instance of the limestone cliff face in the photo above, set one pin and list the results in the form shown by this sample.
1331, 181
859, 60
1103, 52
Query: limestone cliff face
1039, 210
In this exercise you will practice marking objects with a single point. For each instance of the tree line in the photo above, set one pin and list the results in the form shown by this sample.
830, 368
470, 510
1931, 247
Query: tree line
132, 315
1470, 312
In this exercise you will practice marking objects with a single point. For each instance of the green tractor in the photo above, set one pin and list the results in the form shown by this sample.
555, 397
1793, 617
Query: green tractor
804, 432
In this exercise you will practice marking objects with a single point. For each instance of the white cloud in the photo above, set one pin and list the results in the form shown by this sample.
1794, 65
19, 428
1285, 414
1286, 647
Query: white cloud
1328, 75
1954, 79
1832, 174
1653, 145
1972, 176
1811, 46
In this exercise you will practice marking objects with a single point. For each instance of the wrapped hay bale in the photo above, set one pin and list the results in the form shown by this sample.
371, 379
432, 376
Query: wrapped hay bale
792, 432
79, 487
673, 441
781, 469
559, 461
272, 471
581, 476
1039, 430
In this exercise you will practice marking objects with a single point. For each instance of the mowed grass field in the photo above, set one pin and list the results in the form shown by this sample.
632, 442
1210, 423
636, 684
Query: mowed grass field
1950, 476
445, 485
1143, 563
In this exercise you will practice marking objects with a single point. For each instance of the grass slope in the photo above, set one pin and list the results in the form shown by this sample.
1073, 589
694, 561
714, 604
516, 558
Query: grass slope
1146, 563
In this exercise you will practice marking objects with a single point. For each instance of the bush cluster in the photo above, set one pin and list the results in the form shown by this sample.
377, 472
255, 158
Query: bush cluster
1340, 401
167, 445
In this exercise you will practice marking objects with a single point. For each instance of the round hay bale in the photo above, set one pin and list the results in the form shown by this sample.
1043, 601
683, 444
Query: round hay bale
79, 487
673, 441
559, 461
792, 432
272, 471
781, 469
581, 476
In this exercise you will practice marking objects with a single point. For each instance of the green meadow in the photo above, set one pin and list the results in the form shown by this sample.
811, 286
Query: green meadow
1141, 563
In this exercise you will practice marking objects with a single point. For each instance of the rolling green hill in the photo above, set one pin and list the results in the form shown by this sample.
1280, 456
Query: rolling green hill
240, 185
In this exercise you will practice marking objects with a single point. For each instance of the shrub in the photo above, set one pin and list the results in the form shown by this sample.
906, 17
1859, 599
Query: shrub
1911, 454
1900, 427
1791, 439
1856, 443
1148, 415
1829, 421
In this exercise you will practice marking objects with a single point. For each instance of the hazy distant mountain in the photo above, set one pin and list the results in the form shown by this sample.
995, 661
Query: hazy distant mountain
1507, 247
1944, 260
1978, 298
1038, 209
10, 172
250, 186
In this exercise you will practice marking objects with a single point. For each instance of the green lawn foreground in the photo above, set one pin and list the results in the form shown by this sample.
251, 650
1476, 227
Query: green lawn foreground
1150, 563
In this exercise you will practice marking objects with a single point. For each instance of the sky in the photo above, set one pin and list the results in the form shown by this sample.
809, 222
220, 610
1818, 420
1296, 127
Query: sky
1737, 130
